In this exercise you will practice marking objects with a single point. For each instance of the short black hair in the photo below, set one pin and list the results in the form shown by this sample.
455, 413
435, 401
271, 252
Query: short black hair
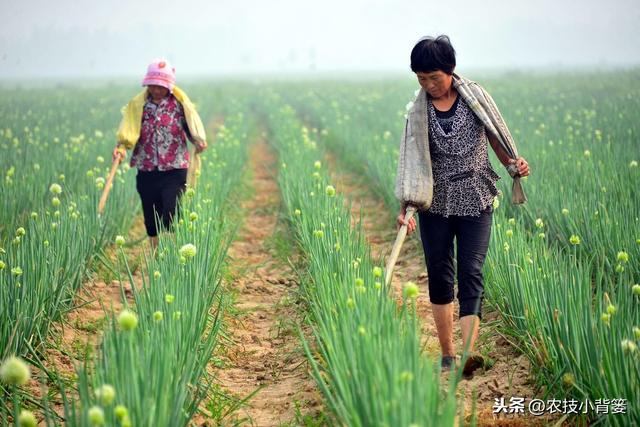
433, 54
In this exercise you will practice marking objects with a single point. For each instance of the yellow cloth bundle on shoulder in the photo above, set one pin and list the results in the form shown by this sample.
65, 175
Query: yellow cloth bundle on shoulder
129, 129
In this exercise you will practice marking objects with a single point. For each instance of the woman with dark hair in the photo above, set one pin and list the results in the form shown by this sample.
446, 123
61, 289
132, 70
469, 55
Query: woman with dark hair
444, 171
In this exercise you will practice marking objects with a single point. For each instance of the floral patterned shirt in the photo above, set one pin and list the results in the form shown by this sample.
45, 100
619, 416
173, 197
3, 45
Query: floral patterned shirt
163, 137
464, 181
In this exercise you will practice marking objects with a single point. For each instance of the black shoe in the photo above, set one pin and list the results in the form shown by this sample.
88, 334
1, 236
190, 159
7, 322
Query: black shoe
474, 362
447, 362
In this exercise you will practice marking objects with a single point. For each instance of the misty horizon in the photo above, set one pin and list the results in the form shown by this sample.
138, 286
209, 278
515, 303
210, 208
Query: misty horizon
89, 40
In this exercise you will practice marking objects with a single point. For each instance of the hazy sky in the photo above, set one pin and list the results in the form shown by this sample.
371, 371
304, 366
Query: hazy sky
118, 38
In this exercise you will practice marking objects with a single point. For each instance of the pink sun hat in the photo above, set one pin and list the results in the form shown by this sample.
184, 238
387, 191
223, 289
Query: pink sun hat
160, 73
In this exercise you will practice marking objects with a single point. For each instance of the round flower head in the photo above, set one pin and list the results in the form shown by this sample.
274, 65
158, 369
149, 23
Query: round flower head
574, 240
411, 290
14, 371
160, 73
121, 411
96, 416
406, 376
127, 320
157, 316
27, 419
55, 189
330, 190
120, 240
106, 394
188, 251
623, 256
568, 379
317, 164
628, 346
377, 272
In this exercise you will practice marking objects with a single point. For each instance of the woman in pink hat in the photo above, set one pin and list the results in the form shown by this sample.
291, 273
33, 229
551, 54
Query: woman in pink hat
156, 124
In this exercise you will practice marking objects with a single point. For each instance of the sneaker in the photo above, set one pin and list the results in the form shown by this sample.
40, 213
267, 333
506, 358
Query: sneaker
474, 362
447, 362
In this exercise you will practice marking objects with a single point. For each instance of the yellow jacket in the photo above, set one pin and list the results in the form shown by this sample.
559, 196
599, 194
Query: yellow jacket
129, 129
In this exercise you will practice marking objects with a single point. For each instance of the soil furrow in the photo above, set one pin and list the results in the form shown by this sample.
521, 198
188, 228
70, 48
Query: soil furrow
265, 351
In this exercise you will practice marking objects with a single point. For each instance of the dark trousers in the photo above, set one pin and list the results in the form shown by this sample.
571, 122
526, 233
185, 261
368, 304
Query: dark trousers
159, 192
472, 240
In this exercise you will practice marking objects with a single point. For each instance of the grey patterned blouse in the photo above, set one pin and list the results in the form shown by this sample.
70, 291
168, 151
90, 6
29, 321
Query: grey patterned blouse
464, 181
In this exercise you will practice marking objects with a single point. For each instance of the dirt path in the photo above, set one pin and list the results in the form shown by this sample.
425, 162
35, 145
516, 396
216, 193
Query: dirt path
266, 351
509, 375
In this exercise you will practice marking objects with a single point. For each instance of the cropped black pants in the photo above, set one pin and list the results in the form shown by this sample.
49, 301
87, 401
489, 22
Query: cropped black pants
472, 242
159, 192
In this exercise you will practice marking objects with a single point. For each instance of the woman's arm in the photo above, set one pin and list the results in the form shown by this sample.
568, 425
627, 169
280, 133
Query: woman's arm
497, 148
520, 162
